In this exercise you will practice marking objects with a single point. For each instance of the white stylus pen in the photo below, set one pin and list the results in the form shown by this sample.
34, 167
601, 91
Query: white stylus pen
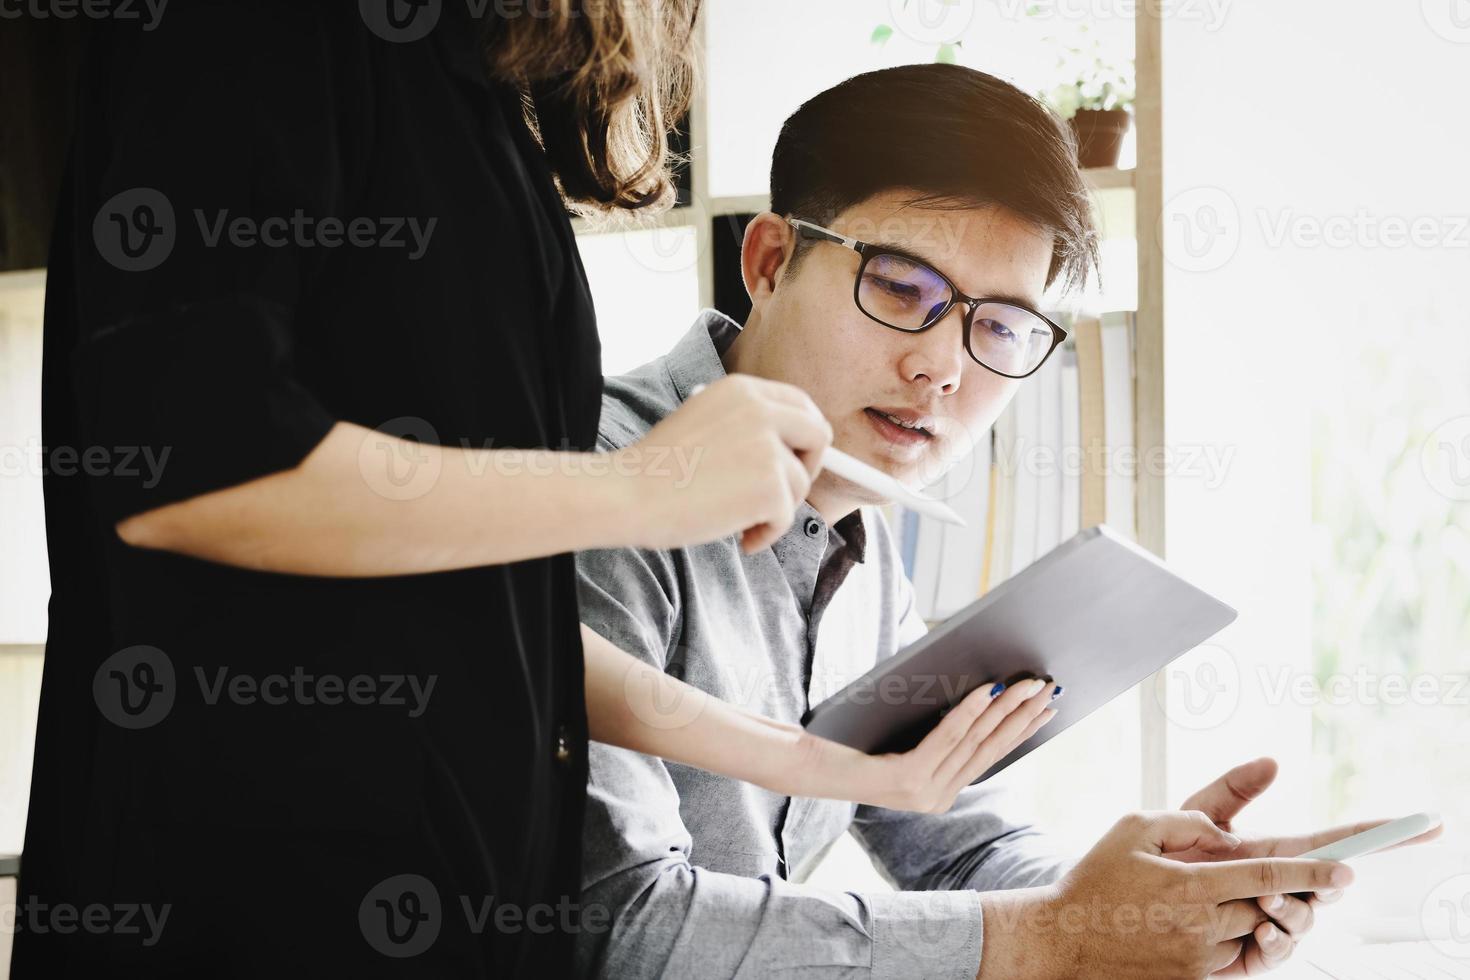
870, 478
1384, 835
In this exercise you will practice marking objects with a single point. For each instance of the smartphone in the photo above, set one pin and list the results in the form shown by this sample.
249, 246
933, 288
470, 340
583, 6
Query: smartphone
1384, 835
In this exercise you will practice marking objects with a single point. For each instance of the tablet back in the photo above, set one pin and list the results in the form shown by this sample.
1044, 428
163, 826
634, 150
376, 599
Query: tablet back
1098, 613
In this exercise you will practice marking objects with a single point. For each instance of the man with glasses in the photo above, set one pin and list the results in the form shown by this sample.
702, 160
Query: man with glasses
919, 215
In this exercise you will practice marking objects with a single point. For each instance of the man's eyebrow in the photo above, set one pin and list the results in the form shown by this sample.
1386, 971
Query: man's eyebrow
911, 255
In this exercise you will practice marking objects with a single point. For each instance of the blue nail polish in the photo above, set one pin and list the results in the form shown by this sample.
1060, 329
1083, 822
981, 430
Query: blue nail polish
1057, 693
997, 689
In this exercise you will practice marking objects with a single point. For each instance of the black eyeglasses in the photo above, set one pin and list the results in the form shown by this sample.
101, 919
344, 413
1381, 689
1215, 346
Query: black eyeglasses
904, 293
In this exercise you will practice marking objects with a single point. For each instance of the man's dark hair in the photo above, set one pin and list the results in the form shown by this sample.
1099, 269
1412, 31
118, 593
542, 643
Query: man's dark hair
957, 136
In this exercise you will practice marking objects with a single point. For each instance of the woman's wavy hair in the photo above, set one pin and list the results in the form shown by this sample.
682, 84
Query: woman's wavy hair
603, 82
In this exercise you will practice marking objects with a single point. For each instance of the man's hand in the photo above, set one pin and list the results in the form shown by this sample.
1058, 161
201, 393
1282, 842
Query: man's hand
1126, 910
1292, 915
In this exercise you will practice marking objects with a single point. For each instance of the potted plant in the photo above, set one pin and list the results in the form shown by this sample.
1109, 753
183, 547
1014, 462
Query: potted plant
1097, 97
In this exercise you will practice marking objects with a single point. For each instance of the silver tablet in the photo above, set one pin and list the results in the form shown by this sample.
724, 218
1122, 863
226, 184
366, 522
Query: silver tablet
1098, 613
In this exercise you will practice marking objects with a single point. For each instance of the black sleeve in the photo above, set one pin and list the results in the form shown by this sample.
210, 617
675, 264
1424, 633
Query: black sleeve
203, 145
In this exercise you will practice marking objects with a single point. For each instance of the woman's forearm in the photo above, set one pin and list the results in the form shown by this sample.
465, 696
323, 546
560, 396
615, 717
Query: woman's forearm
736, 458
635, 706
364, 503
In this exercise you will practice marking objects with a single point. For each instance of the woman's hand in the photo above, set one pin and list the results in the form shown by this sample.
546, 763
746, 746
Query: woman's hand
636, 706
739, 456
980, 731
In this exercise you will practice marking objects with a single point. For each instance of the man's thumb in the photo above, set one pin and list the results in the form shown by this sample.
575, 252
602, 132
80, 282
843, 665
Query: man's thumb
1167, 831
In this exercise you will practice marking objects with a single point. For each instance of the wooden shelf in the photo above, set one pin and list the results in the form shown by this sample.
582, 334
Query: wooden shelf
1108, 178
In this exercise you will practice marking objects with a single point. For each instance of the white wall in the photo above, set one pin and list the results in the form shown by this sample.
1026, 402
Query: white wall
1302, 141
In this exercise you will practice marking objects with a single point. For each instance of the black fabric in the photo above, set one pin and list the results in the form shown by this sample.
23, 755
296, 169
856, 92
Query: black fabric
264, 829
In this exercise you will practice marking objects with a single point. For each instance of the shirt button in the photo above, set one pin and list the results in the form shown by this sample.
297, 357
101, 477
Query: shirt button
813, 527
563, 749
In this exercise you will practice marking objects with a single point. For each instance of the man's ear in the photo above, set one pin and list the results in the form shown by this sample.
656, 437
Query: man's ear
764, 254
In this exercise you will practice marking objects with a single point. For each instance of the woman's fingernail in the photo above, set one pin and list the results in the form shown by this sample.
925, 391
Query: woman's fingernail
997, 689
1057, 693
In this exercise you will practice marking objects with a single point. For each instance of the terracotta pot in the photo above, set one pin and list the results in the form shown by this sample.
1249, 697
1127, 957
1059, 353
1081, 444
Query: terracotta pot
1100, 135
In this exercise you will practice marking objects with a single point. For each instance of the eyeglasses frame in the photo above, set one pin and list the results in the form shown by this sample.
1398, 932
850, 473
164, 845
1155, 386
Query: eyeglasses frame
868, 251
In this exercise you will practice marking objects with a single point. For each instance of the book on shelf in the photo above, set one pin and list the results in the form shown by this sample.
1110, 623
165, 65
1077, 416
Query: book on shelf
1061, 457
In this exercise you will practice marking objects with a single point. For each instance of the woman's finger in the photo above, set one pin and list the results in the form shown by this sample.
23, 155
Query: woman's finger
937, 746
992, 752
1001, 712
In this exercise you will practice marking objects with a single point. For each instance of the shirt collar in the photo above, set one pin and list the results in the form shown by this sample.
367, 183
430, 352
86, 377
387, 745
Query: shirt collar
696, 360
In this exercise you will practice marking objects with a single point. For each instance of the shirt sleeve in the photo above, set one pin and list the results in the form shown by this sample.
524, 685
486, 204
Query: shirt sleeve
213, 150
666, 915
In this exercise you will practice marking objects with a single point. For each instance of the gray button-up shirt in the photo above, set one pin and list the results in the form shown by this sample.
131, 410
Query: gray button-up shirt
701, 874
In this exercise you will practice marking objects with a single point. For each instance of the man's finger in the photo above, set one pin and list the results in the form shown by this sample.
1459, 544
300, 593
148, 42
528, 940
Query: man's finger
1228, 795
1292, 914
1253, 877
1167, 831
1236, 920
1273, 946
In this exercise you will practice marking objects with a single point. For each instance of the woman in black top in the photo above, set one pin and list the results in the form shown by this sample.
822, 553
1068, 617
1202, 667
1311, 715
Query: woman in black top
313, 694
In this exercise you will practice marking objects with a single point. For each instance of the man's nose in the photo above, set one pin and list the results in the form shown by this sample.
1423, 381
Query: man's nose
936, 357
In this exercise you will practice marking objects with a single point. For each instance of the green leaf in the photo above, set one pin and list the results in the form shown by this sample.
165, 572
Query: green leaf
948, 54
882, 33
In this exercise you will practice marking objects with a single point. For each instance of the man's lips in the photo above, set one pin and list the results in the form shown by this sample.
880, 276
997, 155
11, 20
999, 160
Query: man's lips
901, 426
